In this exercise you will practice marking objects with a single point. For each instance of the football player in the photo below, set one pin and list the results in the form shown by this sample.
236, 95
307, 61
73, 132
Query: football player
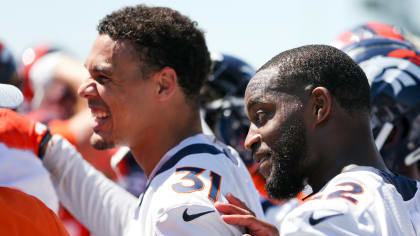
223, 110
146, 69
310, 121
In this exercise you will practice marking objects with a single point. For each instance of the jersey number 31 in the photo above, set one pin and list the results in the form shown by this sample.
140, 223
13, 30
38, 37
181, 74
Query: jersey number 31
193, 174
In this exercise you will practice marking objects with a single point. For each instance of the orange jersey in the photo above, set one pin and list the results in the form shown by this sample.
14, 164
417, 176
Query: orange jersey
22, 214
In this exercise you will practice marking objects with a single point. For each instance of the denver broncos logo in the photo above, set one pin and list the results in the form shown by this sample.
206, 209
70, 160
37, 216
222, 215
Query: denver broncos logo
396, 72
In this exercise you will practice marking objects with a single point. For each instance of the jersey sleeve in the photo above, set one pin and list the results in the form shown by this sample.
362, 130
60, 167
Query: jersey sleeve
328, 222
193, 220
193, 187
100, 204
28, 175
342, 208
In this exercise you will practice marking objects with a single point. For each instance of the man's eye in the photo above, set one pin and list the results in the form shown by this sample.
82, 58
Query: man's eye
102, 79
261, 117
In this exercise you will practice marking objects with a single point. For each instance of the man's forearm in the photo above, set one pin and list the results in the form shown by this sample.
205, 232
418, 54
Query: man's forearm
100, 204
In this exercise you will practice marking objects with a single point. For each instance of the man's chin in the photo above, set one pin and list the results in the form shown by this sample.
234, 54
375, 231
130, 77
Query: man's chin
283, 187
99, 143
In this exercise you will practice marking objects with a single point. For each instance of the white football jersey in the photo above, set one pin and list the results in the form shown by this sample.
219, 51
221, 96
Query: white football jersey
178, 199
184, 185
360, 201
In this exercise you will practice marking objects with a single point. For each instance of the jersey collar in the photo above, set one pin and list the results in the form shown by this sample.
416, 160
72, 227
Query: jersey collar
198, 138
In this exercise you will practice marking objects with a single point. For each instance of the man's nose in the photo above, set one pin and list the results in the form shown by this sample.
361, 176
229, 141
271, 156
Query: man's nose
252, 137
87, 89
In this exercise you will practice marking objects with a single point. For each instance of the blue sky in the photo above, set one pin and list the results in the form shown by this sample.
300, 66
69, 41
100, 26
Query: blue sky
252, 30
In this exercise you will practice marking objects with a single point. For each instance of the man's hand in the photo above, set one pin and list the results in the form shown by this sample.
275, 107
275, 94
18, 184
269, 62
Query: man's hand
237, 213
17, 131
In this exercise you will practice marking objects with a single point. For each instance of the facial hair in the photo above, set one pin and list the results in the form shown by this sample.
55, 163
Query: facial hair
286, 179
99, 143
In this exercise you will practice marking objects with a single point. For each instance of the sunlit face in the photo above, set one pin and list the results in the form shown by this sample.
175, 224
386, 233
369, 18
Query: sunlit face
276, 135
119, 98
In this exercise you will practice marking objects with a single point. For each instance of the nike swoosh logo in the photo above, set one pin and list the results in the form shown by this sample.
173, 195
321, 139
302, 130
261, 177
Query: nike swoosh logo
313, 221
187, 217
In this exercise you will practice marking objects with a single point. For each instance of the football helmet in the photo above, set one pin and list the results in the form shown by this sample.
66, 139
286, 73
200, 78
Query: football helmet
222, 101
47, 97
7, 67
34, 85
392, 65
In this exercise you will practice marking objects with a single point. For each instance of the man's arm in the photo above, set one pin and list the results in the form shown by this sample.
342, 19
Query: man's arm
96, 201
100, 204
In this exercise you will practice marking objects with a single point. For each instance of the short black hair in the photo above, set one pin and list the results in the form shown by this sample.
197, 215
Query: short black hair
326, 66
162, 37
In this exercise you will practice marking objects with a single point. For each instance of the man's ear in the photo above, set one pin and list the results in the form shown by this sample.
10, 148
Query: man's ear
321, 104
166, 83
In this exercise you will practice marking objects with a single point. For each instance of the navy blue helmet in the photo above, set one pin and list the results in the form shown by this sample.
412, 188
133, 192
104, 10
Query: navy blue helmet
222, 100
7, 67
392, 65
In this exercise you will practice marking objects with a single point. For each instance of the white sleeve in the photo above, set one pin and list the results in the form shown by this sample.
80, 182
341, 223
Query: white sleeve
328, 214
335, 223
194, 220
101, 205
28, 175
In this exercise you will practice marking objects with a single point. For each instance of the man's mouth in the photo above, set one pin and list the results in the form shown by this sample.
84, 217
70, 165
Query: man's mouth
100, 118
264, 163
100, 114
260, 156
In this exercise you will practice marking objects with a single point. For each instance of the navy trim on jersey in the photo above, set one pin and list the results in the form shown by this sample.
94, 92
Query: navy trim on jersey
406, 187
186, 151
266, 204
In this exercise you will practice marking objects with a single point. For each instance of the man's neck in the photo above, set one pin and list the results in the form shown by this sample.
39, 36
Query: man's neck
353, 145
149, 151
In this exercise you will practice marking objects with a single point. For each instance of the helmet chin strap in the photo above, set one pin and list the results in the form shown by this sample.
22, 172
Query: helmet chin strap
204, 125
117, 158
412, 157
383, 135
